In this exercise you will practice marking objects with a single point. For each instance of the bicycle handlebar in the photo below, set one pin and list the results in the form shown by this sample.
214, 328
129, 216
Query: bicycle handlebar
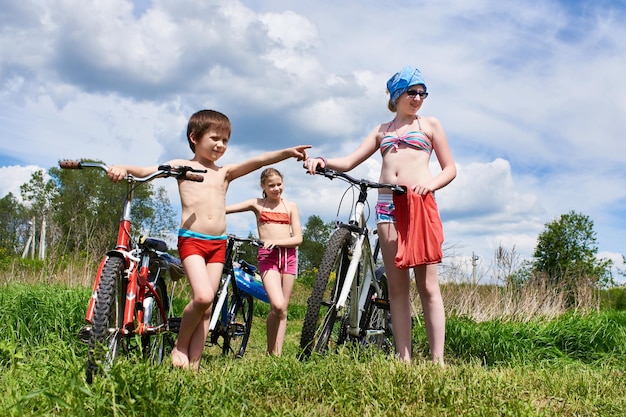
252, 240
180, 172
183, 172
332, 174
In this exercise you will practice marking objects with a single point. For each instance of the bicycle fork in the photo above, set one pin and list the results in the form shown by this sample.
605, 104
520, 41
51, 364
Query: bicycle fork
146, 292
359, 290
135, 290
218, 309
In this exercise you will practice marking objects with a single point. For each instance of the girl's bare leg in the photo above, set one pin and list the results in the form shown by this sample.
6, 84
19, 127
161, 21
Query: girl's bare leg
427, 281
278, 288
399, 291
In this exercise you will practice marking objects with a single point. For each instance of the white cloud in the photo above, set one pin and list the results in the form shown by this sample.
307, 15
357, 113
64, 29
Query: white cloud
11, 177
531, 98
291, 30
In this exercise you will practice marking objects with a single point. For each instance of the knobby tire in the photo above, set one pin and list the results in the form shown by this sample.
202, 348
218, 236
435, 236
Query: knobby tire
106, 331
240, 313
322, 329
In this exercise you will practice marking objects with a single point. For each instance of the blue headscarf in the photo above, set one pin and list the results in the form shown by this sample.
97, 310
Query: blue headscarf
401, 81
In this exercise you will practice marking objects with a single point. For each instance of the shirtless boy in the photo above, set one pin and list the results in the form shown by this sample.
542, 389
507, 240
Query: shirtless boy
202, 234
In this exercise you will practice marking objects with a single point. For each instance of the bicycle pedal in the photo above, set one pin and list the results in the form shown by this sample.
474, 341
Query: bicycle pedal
381, 303
173, 324
84, 334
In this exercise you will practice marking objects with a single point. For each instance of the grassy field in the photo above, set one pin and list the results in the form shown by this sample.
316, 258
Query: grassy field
571, 365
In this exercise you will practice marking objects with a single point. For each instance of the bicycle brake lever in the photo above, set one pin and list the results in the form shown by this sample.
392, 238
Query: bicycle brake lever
327, 172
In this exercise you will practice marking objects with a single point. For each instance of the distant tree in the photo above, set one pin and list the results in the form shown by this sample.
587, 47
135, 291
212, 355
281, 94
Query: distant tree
566, 253
162, 221
38, 195
13, 225
315, 237
249, 252
88, 209
506, 262
622, 272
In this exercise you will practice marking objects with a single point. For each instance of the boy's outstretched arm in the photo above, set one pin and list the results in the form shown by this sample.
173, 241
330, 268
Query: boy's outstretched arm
267, 158
118, 172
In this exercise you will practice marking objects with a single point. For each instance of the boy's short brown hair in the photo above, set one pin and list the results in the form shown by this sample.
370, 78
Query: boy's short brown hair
204, 120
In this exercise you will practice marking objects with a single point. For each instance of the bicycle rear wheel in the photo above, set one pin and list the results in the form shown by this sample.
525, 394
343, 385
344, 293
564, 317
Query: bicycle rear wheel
106, 331
239, 324
376, 319
154, 343
323, 328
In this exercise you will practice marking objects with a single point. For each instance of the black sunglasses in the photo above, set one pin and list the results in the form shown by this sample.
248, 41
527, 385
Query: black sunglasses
413, 93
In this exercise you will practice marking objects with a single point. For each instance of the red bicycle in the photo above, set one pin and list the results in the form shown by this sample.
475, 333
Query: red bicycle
129, 307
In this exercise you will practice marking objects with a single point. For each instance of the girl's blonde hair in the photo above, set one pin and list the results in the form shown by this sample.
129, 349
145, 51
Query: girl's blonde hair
268, 172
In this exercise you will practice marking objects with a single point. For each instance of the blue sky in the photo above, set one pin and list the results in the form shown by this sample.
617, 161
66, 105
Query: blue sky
531, 95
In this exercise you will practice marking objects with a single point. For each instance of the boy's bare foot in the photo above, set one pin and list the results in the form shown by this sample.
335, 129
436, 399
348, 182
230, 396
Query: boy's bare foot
194, 364
179, 359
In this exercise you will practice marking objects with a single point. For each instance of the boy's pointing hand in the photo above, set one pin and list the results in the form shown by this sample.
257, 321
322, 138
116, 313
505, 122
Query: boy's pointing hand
299, 152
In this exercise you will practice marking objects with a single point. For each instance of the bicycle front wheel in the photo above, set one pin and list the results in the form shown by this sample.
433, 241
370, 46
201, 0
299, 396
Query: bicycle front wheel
323, 328
155, 340
106, 331
239, 324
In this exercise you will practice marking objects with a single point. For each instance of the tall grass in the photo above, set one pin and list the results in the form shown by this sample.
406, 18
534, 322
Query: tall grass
69, 271
572, 365
521, 303
492, 302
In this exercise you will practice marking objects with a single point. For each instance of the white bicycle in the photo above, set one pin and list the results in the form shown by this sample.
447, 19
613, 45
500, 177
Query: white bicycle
349, 302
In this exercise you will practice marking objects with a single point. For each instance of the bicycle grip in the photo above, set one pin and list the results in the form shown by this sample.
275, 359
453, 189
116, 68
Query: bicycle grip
193, 177
69, 164
400, 189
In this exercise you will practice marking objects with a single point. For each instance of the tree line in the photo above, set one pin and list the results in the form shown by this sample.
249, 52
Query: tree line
76, 213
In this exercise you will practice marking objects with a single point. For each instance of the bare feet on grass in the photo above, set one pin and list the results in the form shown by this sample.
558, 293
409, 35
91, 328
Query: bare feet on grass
194, 364
179, 359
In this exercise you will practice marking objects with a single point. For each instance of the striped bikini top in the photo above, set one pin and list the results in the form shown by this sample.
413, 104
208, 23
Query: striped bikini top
415, 139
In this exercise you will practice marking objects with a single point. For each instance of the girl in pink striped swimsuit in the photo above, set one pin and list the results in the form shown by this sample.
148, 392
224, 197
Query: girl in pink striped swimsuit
278, 224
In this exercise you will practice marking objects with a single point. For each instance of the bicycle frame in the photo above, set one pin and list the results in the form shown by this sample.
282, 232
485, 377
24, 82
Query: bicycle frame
137, 271
220, 308
224, 320
361, 250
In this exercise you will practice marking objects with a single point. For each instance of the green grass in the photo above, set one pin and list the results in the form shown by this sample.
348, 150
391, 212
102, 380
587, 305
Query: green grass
573, 366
